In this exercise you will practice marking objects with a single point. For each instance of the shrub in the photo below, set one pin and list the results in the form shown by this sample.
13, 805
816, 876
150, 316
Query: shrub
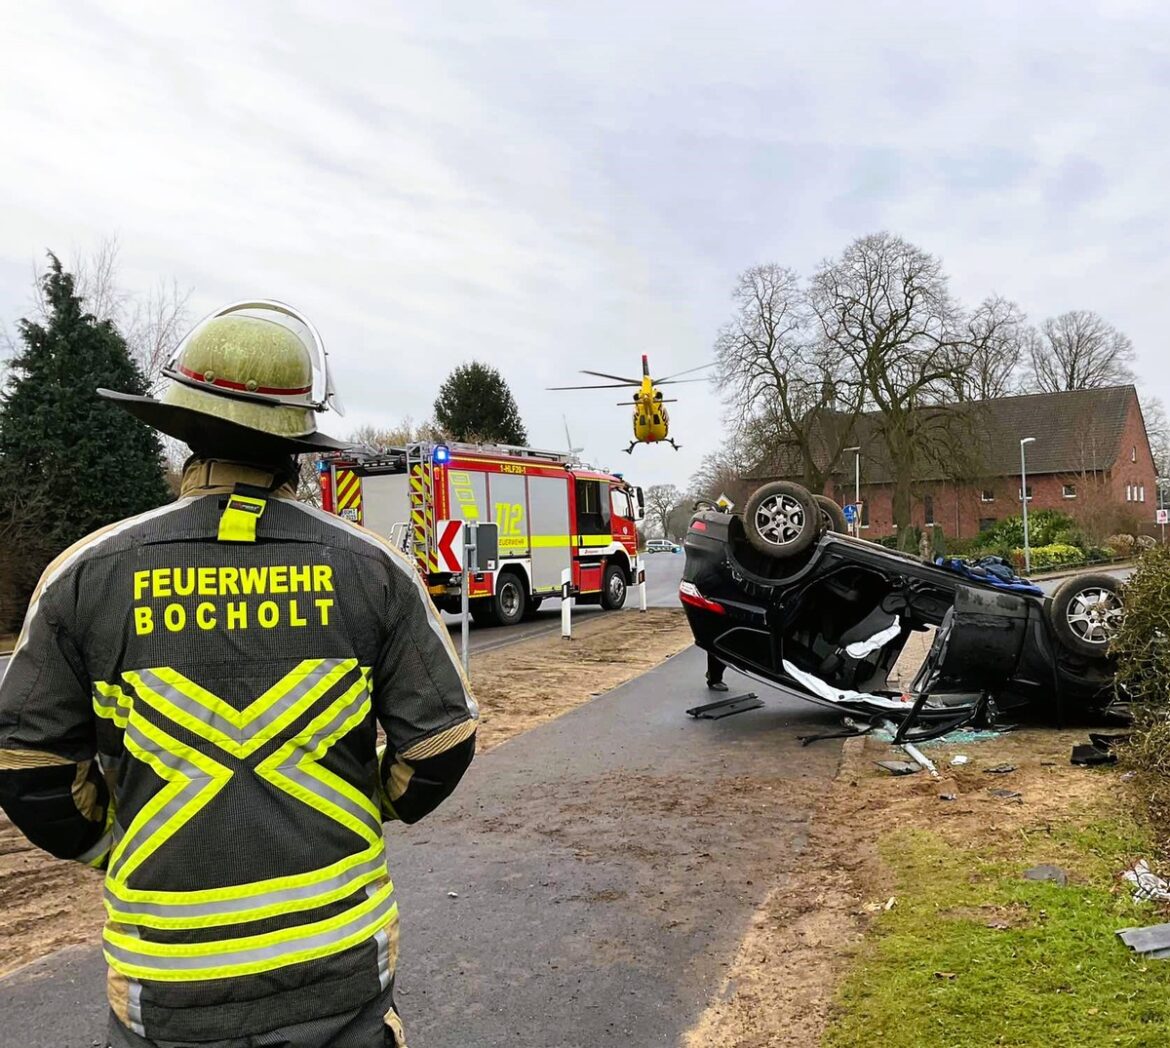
1124, 544
1054, 555
1142, 649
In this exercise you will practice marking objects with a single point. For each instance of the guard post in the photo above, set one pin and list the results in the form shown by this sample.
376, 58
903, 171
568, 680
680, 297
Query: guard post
567, 604
481, 551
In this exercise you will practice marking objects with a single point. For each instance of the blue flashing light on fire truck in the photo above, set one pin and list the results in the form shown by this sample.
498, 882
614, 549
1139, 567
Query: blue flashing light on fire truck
551, 512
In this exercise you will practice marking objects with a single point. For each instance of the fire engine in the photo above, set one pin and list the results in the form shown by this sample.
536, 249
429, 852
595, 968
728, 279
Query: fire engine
551, 514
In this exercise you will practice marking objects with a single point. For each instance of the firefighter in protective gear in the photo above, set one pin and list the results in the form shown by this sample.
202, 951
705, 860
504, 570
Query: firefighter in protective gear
192, 707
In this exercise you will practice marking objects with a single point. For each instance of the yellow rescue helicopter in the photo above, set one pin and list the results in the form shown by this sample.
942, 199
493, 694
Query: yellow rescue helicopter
651, 420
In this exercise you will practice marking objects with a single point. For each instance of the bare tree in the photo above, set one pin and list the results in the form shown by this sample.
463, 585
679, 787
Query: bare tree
379, 438
1079, 350
885, 306
993, 340
660, 500
784, 384
721, 472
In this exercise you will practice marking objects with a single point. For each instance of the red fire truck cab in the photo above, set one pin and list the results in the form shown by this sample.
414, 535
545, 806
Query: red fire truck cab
552, 514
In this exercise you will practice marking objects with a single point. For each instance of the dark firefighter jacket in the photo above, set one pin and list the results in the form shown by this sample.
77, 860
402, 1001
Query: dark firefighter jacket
192, 706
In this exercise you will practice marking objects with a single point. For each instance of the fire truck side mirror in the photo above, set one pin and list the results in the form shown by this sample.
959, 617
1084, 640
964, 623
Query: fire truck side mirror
639, 505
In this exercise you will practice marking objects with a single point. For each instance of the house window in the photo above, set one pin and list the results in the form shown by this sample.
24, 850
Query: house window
1029, 494
1133, 454
865, 514
928, 510
1070, 491
1128, 492
986, 523
1142, 493
987, 495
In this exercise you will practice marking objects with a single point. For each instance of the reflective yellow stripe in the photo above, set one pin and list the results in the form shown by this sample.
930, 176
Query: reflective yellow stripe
193, 779
217, 777
550, 542
593, 540
132, 957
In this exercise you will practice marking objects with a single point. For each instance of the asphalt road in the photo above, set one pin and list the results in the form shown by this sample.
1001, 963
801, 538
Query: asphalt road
604, 867
663, 571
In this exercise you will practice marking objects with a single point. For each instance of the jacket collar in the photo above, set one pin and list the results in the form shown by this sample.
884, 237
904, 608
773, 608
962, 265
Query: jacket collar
218, 477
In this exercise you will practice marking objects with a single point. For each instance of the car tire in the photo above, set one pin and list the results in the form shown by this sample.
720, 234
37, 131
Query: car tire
507, 606
614, 588
782, 520
832, 515
1085, 612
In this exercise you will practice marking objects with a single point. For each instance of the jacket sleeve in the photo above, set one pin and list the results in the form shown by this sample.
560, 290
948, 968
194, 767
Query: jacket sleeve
422, 701
51, 786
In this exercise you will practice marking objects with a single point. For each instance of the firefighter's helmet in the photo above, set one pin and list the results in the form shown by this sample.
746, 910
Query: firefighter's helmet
249, 379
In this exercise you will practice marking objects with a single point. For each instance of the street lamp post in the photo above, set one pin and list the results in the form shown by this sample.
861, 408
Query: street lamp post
1024, 500
856, 486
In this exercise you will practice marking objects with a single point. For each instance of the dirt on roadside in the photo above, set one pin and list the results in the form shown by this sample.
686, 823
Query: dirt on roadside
47, 904
525, 684
781, 985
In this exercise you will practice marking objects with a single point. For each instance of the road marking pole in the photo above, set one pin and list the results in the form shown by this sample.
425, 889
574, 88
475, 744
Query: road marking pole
567, 604
464, 605
642, 590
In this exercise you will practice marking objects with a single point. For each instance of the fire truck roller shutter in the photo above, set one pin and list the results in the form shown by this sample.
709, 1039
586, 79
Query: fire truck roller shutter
386, 502
508, 499
548, 508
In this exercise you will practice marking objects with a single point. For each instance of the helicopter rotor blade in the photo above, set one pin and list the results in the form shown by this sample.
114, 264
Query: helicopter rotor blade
610, 385
679, 381
616, 378
689, 371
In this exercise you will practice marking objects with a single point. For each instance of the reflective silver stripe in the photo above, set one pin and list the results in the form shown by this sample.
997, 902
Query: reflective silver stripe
201, 713
196, 784
277, 897
224, 956
134, 1006
383, 944
97, 851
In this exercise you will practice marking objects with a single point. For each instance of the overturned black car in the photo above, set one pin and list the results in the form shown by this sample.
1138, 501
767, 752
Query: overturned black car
783, 595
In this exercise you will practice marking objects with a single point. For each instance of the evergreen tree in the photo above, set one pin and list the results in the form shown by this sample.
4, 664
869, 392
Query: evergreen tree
475, 403
74, 460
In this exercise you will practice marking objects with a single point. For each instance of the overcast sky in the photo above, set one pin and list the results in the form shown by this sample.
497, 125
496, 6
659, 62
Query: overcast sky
555, 185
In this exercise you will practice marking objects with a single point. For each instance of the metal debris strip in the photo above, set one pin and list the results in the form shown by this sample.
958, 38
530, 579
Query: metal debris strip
1148, 886
1152, 941
899, 767
726, 707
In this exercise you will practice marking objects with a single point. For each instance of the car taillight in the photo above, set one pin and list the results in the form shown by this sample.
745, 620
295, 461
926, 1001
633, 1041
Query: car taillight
689, 593
698, 525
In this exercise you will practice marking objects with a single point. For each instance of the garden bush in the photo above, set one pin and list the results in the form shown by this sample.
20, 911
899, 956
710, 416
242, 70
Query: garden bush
1054, 555
1142, 649
1124, 544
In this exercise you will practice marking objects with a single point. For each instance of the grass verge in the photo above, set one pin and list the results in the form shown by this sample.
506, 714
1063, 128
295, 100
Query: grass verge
973, 955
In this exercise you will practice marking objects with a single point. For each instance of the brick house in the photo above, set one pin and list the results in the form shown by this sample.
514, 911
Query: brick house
1091, 459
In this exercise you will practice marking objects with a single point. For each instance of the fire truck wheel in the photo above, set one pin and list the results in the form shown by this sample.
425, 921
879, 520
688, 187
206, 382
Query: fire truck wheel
508, 605
613, 588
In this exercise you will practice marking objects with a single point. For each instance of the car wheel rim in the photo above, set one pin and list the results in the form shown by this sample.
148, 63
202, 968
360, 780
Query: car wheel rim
780, 520
510, 599
1094, 615
617, 588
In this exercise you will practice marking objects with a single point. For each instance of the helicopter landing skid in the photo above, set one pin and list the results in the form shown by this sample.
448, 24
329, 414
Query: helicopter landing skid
665, 440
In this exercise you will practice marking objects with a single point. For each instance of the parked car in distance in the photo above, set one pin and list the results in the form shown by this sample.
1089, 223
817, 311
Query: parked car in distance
780, 595
662, 546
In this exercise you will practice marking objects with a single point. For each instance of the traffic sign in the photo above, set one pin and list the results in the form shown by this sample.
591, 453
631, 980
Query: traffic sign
449, 544
725, 504
850, 513
1163, 516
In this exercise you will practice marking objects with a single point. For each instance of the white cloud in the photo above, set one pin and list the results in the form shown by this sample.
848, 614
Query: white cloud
551, 187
